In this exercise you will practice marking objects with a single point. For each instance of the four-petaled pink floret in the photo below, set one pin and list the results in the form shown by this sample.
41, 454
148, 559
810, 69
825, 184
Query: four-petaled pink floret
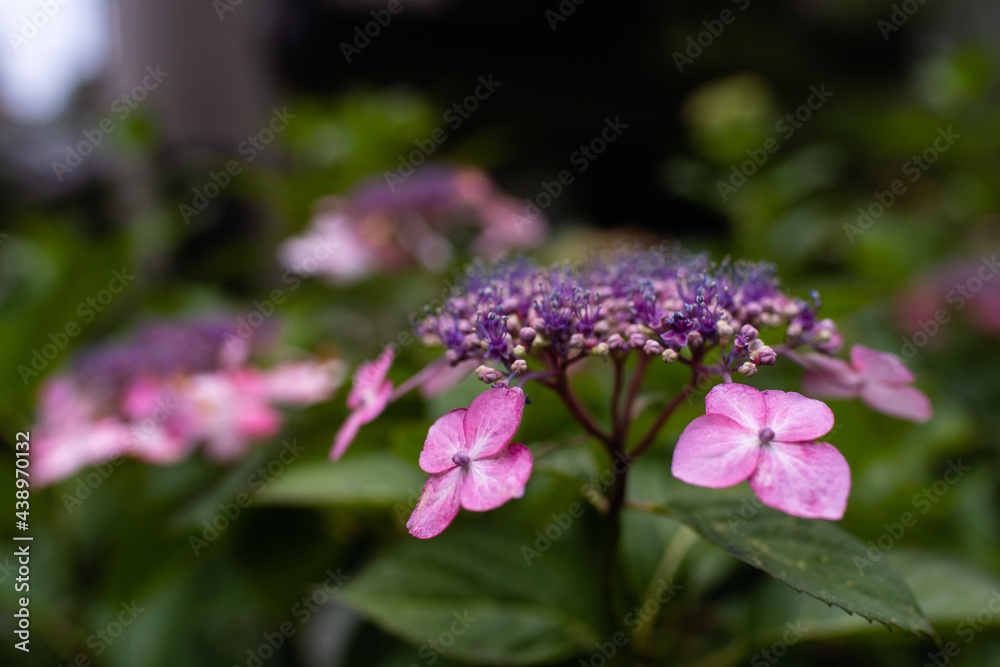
367, 399
879, 378
768, 438
472, 462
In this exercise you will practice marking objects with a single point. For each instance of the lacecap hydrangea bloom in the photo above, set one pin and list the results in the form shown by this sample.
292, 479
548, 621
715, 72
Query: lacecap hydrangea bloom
171, 388
520, 322
384, 227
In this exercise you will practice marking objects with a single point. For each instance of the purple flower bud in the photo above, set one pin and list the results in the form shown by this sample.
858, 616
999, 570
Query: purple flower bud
748, 368
577, 341
766, 356
615, 341
652, 348
694, 339
637, 341
725, 332
488, 375
527, 335
749, 332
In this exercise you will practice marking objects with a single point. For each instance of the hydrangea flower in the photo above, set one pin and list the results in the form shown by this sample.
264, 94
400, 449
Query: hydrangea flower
768, 438
367, 399
654, 302
386, 227
70, 434
965, 287
472, 462
879, 378
172, 387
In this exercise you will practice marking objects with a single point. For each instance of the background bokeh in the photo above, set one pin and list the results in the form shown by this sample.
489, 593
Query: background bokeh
853, 144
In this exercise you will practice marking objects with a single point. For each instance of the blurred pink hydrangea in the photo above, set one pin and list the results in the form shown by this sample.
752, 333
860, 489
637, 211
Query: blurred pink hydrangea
380, 227
175, 386
966, 288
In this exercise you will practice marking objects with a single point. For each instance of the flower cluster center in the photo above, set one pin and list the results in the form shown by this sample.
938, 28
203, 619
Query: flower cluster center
461, 459
766, 435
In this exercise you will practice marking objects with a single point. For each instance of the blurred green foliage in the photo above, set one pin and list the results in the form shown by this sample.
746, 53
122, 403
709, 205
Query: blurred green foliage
130, 540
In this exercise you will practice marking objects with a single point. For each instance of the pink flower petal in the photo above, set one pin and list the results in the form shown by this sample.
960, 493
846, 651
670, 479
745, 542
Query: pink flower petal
368, 410
369, 378
60, 454
898, 401
438, 504
795, 418
827, 377
303, 383
715, 451
875, 366
445, 438
492, 421
809, 480
446, 376
492, 481
346, 434
739, 402
158, 444
375, 404
827, 386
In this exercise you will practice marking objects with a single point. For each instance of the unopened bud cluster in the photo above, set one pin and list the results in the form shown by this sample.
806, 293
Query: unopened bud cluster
662, 302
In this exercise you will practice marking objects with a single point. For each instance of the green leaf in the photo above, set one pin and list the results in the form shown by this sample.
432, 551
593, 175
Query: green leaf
373, 479
949, 592
811, 556
472, 586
